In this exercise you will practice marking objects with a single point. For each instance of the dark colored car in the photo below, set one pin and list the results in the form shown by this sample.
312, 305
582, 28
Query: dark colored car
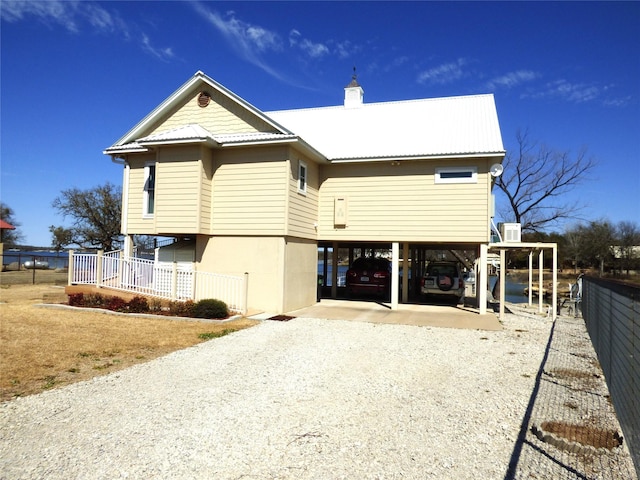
369, 275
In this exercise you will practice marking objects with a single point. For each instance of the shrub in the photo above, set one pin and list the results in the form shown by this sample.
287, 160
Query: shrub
76, 299
138, 305
94, 300
155, 306
211, 308
181, 309
116, 304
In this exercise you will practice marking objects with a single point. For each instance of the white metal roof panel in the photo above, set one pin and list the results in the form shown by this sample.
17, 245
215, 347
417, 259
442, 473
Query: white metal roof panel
466, 125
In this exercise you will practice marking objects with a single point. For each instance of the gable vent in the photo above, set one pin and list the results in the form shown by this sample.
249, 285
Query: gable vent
203, 99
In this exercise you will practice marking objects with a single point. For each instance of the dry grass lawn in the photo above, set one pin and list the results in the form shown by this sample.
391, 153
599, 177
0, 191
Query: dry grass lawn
43, 348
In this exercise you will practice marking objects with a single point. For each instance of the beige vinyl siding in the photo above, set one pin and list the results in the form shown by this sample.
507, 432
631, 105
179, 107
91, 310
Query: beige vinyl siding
402, 203
178, 174
221, 116
136, 224
249, 192
206, 190
303, 208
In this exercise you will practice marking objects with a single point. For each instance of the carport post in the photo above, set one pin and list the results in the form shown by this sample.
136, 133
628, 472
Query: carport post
405, 272
482, 280
502, 278
395, 255
540, 279
334, 271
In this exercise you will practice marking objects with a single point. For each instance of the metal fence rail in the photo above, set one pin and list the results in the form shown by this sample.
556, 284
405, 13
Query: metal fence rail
611, 312
171, 281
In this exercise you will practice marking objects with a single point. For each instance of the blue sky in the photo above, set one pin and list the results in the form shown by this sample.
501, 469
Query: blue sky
75, 76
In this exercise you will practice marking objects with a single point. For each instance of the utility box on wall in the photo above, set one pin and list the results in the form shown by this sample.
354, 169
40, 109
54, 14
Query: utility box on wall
340, 212
510, 232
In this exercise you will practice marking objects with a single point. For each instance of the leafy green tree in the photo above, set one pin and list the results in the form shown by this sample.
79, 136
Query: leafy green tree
534, 180
9, 237
95, 213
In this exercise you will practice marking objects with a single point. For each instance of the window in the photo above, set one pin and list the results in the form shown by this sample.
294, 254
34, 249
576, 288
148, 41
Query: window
302, 177
456, 175
149, 190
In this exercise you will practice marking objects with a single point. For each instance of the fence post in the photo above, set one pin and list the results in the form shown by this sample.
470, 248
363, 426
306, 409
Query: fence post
245, 300
99, 269
194, 276
70, 270
174, 281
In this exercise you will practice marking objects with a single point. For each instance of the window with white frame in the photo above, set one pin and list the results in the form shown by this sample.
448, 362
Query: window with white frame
302, 177
149, 190
456, 175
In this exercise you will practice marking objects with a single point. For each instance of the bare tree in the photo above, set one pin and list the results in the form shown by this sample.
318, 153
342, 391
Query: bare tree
534, 181
95, 213
628, 236
597, 241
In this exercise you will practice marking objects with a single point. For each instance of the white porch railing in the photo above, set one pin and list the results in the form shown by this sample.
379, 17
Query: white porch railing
171, 281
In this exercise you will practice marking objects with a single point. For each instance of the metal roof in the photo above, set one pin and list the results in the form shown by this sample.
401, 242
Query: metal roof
450, 126
194, 133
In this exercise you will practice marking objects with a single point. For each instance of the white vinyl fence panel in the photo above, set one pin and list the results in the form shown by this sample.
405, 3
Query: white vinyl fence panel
168, 280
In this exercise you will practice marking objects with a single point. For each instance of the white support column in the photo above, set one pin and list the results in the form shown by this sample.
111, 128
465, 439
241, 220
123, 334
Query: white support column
405, 272
530, 277
127, 246
334, 271
554, 300
395, 270
503, 276
482, 280
540, 279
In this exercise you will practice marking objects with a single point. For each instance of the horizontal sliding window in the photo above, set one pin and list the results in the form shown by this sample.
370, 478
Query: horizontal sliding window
456, 175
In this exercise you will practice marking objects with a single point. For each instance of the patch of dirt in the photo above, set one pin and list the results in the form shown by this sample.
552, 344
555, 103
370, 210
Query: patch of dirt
584, 434
281, 318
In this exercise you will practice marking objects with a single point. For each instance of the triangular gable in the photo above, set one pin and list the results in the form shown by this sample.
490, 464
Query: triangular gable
203, 101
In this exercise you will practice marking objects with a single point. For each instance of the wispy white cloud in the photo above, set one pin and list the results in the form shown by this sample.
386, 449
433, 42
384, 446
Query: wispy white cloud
164, 54
512, 79
48, 12
445, 73
249, 41
79, 16
312, 49
565, 90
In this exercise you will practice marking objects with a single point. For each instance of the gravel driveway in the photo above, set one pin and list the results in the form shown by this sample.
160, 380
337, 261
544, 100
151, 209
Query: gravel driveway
305, 399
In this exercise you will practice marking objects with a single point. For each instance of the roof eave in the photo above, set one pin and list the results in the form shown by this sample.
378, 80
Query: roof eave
392, 158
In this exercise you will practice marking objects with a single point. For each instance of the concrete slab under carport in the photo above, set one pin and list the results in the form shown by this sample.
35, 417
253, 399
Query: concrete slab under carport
406, 314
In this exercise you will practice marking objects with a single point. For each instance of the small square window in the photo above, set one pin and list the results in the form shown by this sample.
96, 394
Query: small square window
302, 177
456, 175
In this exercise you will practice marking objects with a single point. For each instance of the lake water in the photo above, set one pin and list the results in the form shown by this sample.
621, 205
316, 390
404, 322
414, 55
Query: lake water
54, 259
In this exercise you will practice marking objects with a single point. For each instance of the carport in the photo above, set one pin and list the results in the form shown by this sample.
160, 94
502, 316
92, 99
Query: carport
408, 260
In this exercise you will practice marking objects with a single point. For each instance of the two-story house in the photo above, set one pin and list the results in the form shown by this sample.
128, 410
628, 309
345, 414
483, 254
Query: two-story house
261, 191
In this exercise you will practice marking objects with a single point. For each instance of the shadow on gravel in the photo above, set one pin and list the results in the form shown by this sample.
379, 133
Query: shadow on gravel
569, 429
524, 427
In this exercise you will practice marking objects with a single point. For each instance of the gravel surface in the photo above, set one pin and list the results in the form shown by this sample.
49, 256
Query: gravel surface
304, 399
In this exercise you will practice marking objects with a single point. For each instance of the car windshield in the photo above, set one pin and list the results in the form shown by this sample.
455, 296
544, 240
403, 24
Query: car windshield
370, 264
442, 269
